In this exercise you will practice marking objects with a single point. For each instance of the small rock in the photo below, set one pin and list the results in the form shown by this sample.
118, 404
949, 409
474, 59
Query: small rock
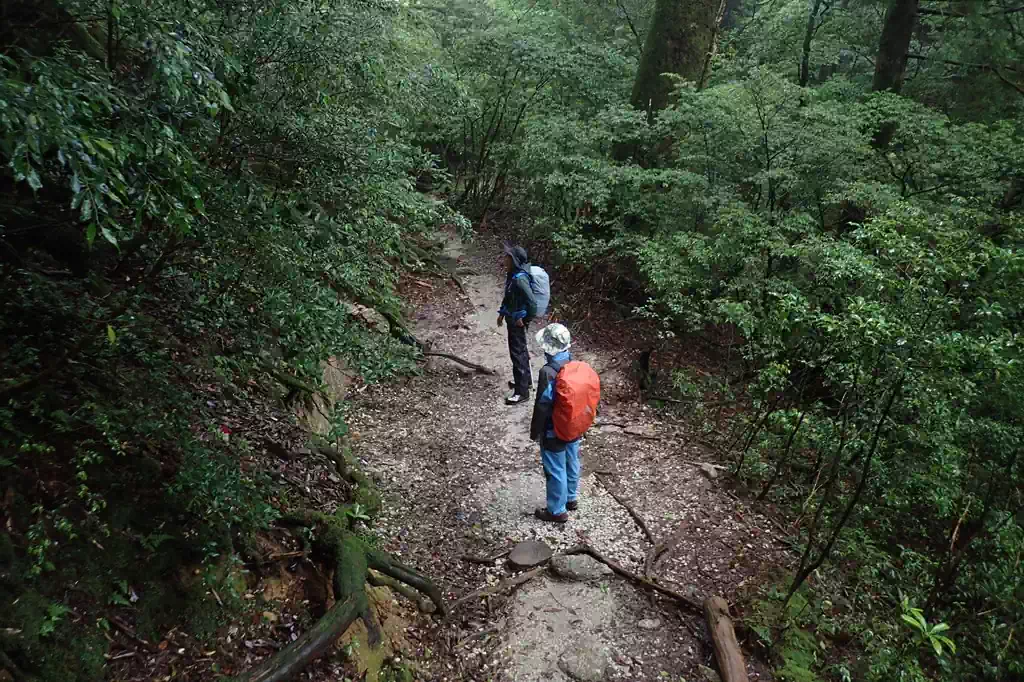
586, 661
649, 624
709, 470
427, 606
709, 674
579, 567
530, 553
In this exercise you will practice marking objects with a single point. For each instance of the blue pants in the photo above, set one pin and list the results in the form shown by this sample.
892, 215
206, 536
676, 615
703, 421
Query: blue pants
562, 474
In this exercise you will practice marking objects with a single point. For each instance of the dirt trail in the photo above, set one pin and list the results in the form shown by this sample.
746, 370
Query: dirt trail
462, 478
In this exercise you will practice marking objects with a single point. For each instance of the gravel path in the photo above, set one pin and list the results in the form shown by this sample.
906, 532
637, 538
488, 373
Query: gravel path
462, 477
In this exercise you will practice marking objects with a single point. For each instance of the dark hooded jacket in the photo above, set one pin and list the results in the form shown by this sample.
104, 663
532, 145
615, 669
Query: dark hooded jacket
519, 302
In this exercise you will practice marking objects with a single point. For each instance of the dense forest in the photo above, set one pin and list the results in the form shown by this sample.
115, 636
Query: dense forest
198, 198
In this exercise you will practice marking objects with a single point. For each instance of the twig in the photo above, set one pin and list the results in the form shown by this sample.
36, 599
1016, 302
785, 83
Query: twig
128, 632
118, 657
629, 508
688, 602
466, 363
486, 560
503, 586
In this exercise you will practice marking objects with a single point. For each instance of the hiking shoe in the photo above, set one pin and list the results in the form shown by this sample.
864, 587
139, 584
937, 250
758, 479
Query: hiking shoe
515, 399
544, 515
572, 505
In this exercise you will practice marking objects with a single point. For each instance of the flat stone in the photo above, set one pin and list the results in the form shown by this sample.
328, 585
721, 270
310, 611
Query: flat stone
529, 554
709, 470
709, 674
586, 661
579, 567
649, 624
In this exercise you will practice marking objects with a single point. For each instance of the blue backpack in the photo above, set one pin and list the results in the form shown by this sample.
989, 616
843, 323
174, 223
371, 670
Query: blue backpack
540, 284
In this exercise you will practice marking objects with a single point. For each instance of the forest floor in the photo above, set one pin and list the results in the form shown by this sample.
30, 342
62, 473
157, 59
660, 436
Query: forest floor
461, 477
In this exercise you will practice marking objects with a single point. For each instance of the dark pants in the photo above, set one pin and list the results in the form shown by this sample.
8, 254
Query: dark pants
520, 355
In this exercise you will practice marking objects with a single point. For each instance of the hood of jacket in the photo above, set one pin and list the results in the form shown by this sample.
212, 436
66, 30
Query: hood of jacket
520, 259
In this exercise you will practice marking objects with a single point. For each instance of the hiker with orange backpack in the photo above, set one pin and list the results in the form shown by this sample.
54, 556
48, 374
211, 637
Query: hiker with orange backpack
568, 392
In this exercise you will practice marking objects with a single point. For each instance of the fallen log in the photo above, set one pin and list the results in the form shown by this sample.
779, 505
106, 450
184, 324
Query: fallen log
465, 363
727, 649
683, 600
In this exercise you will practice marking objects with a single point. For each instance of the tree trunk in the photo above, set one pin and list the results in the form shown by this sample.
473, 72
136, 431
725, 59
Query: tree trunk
891, 63
805, 60
678, 41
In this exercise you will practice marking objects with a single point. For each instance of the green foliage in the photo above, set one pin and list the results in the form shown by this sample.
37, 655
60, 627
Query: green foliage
189, 205
928, 634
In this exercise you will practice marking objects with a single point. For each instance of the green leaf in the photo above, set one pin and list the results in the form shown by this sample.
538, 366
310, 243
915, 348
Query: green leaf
948, 642
107, 147
111, 335
226, 101
940, 627
109, 236
90, 233
33, 179
911, 621
86, 210
937, 645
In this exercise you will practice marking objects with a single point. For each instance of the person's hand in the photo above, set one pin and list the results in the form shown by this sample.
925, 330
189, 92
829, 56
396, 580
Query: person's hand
519, 322
501, 318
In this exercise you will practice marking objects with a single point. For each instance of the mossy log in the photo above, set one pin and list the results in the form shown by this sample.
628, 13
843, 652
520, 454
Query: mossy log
351, 560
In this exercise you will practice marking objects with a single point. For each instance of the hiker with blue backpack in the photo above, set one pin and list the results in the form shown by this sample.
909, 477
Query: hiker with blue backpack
519, 308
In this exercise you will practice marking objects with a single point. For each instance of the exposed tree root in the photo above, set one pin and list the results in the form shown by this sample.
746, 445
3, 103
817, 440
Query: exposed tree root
351, 559
683, 600
629, 508
465, 363
500, 588
663, 546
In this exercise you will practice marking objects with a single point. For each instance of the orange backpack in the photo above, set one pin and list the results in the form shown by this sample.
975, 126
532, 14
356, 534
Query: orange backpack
577, 392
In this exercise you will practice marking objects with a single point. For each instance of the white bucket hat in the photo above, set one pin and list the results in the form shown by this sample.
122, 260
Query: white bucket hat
554, 338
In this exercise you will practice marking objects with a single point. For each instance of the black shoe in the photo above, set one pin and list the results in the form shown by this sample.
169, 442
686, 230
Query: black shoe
516, 399
571, 506
544, 515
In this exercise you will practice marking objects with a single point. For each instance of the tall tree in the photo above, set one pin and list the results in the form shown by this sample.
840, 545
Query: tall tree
679, 41
891, 63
